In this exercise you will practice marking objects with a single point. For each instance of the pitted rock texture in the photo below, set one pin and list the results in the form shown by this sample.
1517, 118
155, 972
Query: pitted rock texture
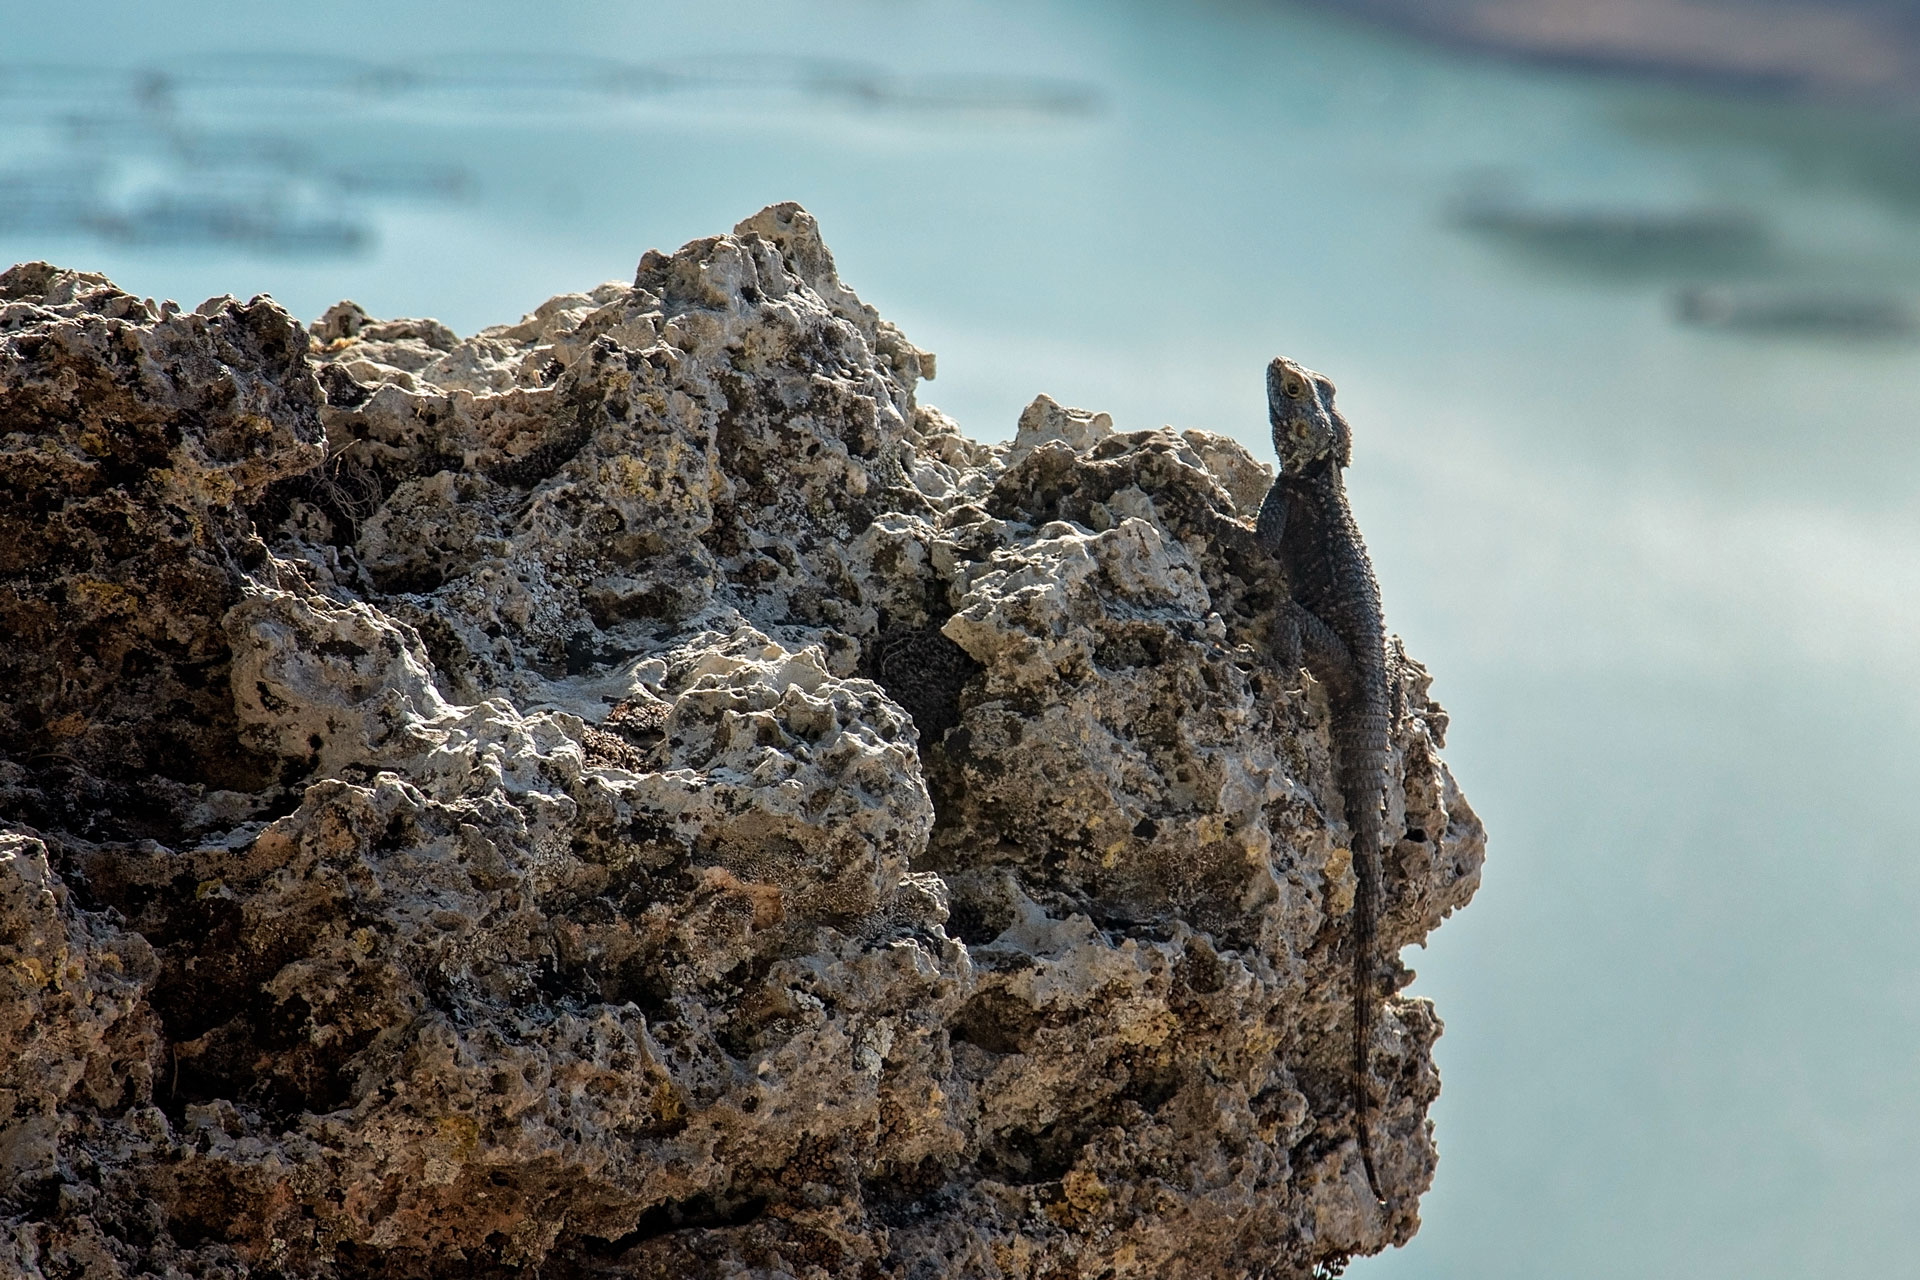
634, 793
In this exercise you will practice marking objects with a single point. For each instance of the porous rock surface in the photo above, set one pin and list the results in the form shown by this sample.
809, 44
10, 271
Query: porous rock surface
634, 793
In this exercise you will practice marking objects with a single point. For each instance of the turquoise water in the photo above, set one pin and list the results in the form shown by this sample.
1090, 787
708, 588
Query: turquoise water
1668, 578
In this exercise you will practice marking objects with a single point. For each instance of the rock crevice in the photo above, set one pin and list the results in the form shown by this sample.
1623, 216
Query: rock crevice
634, 792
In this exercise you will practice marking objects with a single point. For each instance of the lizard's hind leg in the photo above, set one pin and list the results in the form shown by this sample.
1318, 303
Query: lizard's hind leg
1302, 639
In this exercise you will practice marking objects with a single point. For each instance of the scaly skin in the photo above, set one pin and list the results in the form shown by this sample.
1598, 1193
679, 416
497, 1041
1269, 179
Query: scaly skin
1334, 624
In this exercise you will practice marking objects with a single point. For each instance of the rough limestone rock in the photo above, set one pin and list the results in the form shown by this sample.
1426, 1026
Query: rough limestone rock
634, 793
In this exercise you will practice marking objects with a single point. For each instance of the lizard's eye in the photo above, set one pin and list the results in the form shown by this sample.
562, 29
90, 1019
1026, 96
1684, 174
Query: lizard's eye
1292, 388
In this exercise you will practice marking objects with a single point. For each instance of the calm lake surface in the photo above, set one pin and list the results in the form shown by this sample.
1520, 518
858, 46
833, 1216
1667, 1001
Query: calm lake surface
1667, 576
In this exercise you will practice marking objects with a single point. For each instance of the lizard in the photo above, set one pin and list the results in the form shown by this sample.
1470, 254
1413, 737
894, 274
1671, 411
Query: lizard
1333, 624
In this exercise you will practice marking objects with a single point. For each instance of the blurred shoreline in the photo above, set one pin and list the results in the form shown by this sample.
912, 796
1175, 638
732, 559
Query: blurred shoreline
1852, 52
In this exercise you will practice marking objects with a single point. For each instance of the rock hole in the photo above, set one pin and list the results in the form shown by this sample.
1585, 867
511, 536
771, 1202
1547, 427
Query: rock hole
1025, 1157
924, 672
996, 1022
704, 1212
975, 922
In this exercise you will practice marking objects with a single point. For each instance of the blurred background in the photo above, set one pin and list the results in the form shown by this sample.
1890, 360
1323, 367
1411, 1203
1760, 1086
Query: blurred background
1623, 299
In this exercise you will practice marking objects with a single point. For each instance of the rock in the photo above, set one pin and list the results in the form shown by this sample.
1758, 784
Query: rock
633, 792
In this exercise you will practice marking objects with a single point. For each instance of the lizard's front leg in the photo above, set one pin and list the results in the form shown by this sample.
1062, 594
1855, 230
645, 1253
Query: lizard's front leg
1271, 524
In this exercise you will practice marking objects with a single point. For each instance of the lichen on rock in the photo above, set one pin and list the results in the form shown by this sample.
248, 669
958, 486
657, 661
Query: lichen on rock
634, 792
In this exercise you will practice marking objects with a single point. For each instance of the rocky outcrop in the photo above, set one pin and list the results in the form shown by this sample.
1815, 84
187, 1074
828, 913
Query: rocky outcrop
635, 793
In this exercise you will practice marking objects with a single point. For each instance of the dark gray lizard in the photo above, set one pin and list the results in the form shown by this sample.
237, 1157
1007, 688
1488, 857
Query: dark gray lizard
1333, 624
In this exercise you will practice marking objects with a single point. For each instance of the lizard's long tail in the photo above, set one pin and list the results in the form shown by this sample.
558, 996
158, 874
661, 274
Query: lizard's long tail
1366, 907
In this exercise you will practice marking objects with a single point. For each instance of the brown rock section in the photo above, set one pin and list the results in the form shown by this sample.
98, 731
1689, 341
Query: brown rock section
450, 824
132, 439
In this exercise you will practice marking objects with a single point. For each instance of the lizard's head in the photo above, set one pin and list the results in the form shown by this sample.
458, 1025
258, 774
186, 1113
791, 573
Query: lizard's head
1306, 426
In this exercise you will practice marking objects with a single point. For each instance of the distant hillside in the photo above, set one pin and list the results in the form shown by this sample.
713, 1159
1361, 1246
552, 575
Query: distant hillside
1837, 50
